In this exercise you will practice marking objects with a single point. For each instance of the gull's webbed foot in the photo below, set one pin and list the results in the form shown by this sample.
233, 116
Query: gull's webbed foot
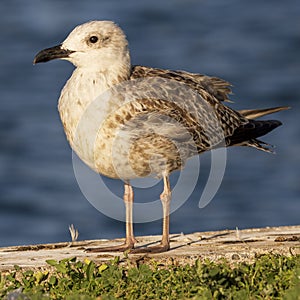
162, 247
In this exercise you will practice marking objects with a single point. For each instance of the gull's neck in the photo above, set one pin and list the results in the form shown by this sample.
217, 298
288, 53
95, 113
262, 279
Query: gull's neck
83, 87
87, 83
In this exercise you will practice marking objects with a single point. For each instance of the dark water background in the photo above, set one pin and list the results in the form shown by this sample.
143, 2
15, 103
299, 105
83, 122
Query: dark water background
253, 44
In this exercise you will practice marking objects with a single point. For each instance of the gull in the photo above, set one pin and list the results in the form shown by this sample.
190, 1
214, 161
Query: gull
99, 51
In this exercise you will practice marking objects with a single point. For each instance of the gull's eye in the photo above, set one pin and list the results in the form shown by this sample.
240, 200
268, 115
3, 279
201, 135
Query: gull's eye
93, 39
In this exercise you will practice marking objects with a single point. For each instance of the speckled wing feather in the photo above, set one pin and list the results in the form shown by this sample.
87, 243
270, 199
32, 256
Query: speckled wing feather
237, 128
211, 89
218, 88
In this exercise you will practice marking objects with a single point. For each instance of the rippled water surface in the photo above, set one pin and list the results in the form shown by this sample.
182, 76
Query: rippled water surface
253, 44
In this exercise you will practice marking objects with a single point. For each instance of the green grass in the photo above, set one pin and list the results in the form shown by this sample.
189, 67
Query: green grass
270, 277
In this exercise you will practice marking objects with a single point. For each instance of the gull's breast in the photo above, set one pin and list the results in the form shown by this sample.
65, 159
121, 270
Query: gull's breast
123, 139
130, 131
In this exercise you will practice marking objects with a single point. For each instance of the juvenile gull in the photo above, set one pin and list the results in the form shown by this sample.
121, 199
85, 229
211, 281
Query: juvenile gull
99, 51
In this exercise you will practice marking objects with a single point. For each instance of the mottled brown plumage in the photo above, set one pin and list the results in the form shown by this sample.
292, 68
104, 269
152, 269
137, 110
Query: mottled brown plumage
238, 126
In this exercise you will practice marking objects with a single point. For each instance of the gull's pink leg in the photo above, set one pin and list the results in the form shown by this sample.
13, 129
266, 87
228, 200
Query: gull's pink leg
130, 240
165, 198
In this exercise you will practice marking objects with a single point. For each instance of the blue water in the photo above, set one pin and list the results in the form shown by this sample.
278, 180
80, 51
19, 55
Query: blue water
253, 44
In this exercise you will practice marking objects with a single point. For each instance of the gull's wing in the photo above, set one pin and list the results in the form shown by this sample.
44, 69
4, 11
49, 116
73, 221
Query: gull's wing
237, 127
211, 89
218, 88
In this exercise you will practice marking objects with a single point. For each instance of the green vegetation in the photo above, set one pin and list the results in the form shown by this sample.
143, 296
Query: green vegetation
270, 277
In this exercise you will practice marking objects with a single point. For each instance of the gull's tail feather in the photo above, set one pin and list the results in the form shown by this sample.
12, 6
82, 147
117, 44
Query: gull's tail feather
260, 145
247, 134
257, 113
255, 129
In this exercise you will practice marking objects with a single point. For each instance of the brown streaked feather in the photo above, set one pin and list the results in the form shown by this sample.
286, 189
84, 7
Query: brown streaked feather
257, 113
259, 145
211, 89
218, 88
238, 126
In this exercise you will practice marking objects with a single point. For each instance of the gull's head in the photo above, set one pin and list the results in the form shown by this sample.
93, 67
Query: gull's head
96, 44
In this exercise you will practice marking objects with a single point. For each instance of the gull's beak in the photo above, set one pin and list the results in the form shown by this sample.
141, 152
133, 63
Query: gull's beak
51, 53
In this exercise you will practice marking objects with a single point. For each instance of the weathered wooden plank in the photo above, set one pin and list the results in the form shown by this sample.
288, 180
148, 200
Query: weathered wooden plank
234, 245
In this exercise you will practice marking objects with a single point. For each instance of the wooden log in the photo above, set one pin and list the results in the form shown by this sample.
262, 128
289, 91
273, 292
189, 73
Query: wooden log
233, 245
